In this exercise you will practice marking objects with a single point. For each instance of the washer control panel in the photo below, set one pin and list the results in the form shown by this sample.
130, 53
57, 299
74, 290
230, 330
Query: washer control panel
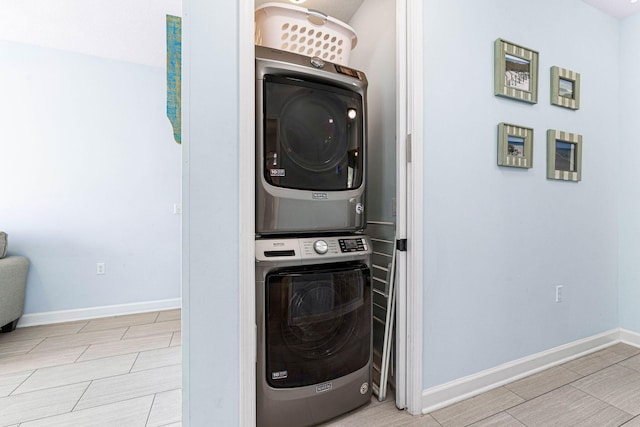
314, 247
325, 247
358, 244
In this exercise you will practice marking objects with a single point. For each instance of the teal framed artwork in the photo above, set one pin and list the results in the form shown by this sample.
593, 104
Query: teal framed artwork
174, 75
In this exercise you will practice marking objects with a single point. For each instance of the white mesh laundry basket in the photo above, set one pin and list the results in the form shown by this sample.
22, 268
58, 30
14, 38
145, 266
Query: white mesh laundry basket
304, 31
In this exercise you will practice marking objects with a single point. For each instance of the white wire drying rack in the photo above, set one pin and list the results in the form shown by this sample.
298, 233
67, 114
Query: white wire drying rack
383, 264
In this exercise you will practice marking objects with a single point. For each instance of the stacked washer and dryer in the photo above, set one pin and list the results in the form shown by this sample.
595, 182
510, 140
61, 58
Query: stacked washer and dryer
313, 280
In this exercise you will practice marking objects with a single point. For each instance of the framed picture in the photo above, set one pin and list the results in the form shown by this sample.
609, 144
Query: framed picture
515, 72
515, 146
564, 155
565, 88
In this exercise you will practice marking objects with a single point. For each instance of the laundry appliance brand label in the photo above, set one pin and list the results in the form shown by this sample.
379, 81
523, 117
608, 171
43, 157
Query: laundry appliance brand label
323, 387
280, 375
319, 196
276, 172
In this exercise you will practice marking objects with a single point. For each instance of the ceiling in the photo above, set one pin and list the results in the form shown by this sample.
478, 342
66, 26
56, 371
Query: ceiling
340, 9
344, 9
133, 30
617, 8
125, 30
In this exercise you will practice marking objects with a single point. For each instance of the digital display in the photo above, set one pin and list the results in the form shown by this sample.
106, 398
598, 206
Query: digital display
350, 244
353, 245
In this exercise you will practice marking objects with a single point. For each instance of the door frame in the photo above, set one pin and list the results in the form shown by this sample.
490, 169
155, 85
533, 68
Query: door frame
246, 200
409, 197
409, 122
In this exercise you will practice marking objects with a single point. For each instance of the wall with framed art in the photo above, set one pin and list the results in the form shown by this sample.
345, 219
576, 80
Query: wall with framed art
516, 77
501, 234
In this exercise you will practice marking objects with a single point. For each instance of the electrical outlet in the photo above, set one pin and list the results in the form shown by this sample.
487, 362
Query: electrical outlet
177, 208
100, 269
559, 293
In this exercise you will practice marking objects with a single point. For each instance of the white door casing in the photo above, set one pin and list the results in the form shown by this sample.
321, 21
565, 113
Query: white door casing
246, 232
414, 215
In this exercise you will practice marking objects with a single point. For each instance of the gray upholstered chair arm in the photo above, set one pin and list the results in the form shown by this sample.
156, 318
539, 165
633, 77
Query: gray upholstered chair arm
13, 282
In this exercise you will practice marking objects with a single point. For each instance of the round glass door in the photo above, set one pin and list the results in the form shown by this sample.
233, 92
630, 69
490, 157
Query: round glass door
312, 135
317, 324
313, 131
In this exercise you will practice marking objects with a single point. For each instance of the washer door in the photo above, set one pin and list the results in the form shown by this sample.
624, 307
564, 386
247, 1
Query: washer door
318, 323
313, 136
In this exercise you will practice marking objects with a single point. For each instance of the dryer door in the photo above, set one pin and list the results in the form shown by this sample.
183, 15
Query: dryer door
313, 135
318, 323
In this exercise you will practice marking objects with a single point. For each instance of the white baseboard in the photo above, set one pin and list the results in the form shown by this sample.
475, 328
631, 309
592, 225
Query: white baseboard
49, 317
472, 385
630, 337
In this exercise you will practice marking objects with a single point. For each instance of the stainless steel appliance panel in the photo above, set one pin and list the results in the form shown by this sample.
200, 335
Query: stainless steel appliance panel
313, 313
310, 145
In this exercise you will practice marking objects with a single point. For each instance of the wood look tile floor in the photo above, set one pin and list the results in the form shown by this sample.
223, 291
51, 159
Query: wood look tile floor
126, 371
598, 390
120, 371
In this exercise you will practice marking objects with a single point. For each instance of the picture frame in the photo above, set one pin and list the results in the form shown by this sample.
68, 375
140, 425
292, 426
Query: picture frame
515, 146
564, 155
516, 72
565, 88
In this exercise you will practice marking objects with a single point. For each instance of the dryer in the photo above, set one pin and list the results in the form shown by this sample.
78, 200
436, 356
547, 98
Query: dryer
314, 319
310, 145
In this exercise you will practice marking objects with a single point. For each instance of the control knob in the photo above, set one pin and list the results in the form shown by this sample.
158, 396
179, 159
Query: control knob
321, 247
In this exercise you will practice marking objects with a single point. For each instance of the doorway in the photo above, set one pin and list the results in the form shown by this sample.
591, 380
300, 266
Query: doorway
405, 210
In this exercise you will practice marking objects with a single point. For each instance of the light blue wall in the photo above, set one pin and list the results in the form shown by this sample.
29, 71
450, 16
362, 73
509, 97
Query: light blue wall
90, 174
498, 240
210, 215
629, 152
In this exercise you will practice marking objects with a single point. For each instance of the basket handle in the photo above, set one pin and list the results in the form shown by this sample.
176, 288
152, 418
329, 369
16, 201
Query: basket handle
316, 17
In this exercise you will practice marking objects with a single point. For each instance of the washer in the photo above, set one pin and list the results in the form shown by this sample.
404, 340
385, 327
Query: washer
313, 313
310, 145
